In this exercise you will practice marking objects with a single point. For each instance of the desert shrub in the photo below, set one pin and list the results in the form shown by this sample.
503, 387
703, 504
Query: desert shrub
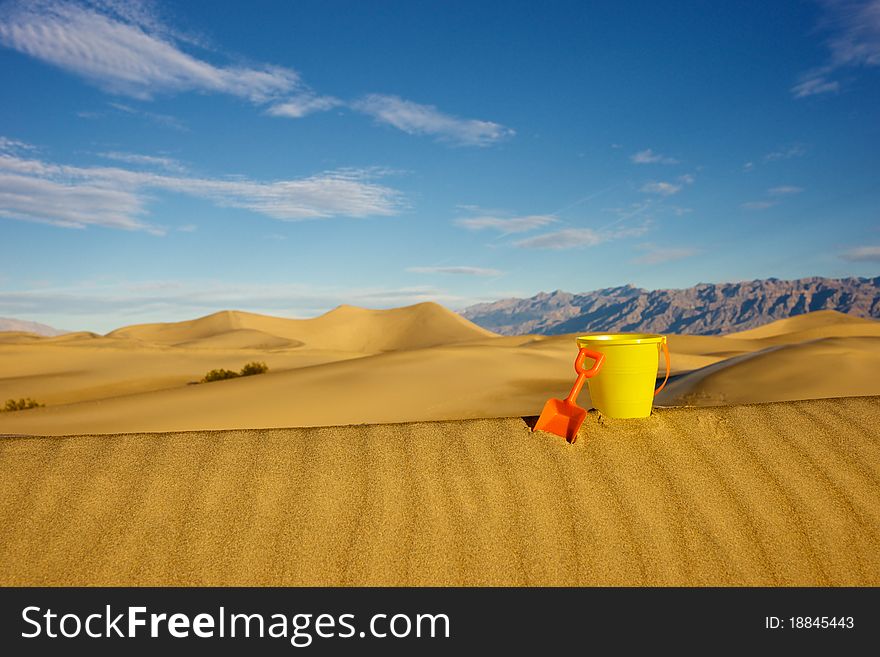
21, 404
219, 375
250, 369
254, 368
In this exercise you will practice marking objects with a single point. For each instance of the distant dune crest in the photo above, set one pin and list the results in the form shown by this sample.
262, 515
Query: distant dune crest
705, 309
345, 328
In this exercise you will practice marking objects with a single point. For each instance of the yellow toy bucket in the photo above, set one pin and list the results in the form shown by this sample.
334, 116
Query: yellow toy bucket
624, 388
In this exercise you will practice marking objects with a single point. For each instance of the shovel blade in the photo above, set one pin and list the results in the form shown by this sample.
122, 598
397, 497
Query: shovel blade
561, 418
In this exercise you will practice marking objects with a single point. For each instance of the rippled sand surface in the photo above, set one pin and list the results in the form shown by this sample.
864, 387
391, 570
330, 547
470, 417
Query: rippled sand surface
769, 494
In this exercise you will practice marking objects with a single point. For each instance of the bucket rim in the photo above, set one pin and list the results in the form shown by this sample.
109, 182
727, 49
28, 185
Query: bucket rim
611, 339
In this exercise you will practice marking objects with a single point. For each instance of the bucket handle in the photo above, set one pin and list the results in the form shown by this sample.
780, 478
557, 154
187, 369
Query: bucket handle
665, 349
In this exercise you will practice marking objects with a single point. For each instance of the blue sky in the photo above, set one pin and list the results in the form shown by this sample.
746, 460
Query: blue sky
160, 161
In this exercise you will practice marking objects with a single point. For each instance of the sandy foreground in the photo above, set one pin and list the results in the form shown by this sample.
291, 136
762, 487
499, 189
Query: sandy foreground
419, 363
769, 494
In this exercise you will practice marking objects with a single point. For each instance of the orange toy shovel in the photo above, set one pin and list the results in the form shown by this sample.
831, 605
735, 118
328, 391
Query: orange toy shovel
563, 416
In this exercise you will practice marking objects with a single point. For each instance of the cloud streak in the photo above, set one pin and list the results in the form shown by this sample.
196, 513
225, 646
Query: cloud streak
758, 205
574, 238
70, 205
661, 188
853, 41
657, 255
114, 197
648, 156
458, 271
506, 225
815, 82
165, 120
416, 119
124, 49
784, 190
774, 195
786, 153
125, 57
862, 254
303, 105
166, 163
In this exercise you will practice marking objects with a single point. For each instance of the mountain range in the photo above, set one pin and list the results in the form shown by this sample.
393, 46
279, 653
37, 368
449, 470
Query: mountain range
10, 324
704, 309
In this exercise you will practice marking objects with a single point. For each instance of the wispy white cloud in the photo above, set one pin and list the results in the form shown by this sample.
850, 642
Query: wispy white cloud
774, 195
862, 254
13, 145
70, 205
784, 190
303, 105
417, 119
661, 188
165, 120
343, 192
127, 55
853, 28
632, 210
124, 48
147, 14
815, 82
759, 205
782, 153
76, 197
167, 163
656, 255
573, 238
786, 153
648, 156
506, 225
459, 270
568, 238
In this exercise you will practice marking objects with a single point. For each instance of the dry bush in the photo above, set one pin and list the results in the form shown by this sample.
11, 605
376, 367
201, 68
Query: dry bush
21, 404
250, 369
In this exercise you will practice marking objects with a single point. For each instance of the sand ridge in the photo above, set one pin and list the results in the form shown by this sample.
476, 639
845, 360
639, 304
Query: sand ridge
764, 495
785, 372
345, 328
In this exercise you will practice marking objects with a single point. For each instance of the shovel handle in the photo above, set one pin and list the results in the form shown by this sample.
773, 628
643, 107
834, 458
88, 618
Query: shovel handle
583, 353
584, 374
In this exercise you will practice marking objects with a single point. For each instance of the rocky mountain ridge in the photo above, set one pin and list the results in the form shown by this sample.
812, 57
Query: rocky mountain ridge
704, 309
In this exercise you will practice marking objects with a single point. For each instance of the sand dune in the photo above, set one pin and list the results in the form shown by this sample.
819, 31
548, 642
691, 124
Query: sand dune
102, 369
827, 367
812, 356
821, 323
242, 339
345, 328
410, 364
451, 382
19, 337
774, 494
